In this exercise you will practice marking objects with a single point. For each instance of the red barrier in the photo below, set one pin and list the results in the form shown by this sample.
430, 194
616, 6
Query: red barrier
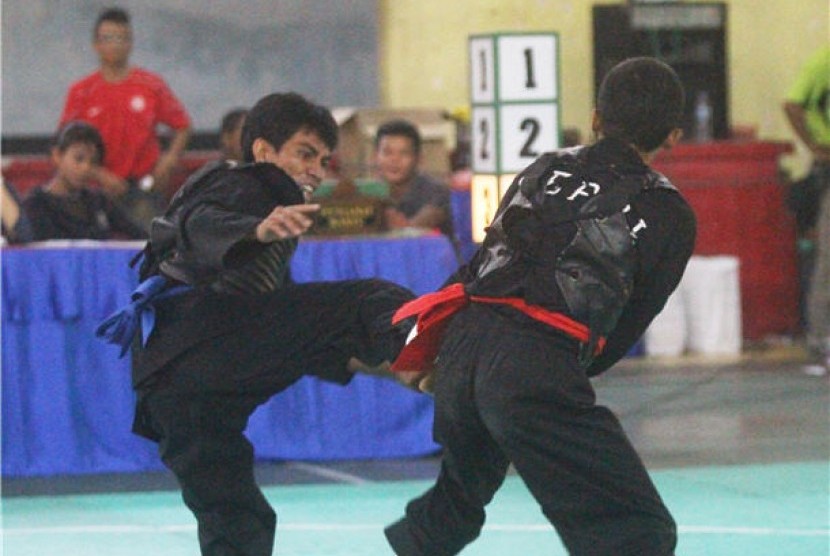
28, 171
736, 193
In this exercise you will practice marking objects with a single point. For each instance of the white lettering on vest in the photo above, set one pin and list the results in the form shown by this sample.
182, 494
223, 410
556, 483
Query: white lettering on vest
641, 225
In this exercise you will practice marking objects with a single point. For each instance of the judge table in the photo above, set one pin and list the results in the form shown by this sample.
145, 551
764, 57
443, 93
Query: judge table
66, 397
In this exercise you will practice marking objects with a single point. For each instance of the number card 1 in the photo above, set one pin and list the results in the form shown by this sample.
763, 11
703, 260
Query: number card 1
482, 70
526, 132
527, 67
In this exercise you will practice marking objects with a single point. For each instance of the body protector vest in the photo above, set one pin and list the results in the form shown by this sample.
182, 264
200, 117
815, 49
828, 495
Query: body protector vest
563, 239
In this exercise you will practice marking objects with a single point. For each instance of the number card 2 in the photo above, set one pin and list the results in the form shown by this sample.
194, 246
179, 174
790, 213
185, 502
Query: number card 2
526, 131
484, 132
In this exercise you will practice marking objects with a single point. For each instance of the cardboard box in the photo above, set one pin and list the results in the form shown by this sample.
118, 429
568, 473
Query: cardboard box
357, 135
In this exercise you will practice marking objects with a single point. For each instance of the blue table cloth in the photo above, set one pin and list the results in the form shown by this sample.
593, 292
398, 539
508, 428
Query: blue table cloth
67, 403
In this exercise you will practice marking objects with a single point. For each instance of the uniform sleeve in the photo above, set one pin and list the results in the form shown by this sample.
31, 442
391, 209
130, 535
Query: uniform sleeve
218, 237
664, 253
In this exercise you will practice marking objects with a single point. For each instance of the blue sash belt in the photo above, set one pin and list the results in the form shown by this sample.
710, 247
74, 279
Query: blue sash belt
120, 327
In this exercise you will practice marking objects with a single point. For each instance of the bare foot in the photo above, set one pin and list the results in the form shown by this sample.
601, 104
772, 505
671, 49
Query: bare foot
410, 379
425, 384
355, 365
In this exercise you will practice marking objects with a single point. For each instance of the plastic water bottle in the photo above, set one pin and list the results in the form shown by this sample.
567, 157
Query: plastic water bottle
703, 118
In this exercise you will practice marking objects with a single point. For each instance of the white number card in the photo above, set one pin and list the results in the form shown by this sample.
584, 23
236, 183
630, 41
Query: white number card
526, 132
527, 67
482, 70
484, 132
484, 201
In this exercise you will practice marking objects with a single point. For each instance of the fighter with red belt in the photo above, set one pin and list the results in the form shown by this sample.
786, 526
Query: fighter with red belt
584, 251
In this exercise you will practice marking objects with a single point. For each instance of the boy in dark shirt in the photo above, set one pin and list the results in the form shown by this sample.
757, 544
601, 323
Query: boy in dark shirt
584, 251
67, 207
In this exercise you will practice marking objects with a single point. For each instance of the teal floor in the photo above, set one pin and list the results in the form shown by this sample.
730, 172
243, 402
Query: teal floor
758, 510
739, 449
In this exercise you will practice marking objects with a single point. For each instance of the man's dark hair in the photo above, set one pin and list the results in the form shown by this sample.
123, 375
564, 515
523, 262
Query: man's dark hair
232, 120
114, 15
76, 132
640, 101
278, 116
399, 128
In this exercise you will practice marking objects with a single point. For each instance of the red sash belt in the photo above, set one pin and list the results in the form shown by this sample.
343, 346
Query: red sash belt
434, 310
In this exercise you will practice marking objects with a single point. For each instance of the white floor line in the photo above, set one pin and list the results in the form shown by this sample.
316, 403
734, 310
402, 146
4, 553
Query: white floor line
513, 528
339, 476
759, 531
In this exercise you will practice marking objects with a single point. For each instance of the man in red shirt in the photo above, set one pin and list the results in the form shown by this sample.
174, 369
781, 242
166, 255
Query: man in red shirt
126, 103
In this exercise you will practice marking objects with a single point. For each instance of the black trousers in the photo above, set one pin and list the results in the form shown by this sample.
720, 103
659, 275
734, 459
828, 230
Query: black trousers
506, 393
199, 406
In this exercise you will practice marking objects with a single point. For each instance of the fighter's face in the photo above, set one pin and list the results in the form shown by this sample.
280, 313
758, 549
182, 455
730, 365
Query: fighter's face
304, 157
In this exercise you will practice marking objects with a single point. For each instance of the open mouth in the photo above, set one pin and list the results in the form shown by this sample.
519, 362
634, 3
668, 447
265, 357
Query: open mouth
308, 191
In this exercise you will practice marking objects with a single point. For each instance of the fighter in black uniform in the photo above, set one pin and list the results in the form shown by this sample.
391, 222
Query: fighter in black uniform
230, 330
584, 251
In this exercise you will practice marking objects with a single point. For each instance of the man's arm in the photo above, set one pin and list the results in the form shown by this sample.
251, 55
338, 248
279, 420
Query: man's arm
10, 209
111, 184
173, 114
664, 255
169, 158
797, 118
430, 216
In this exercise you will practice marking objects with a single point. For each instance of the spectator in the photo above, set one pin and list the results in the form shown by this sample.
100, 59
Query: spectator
66, 207
126, 103
230, 134
808, 110
416, 200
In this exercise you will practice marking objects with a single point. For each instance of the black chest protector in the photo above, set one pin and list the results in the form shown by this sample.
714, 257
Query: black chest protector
563, 239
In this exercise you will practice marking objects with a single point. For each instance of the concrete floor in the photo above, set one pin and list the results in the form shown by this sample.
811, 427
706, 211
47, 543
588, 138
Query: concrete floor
679, 412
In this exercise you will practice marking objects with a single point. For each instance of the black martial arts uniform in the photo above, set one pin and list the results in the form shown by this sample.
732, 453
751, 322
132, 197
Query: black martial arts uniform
243, 333
583, 253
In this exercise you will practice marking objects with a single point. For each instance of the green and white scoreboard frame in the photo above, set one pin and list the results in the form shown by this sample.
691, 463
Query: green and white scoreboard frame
515, 116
